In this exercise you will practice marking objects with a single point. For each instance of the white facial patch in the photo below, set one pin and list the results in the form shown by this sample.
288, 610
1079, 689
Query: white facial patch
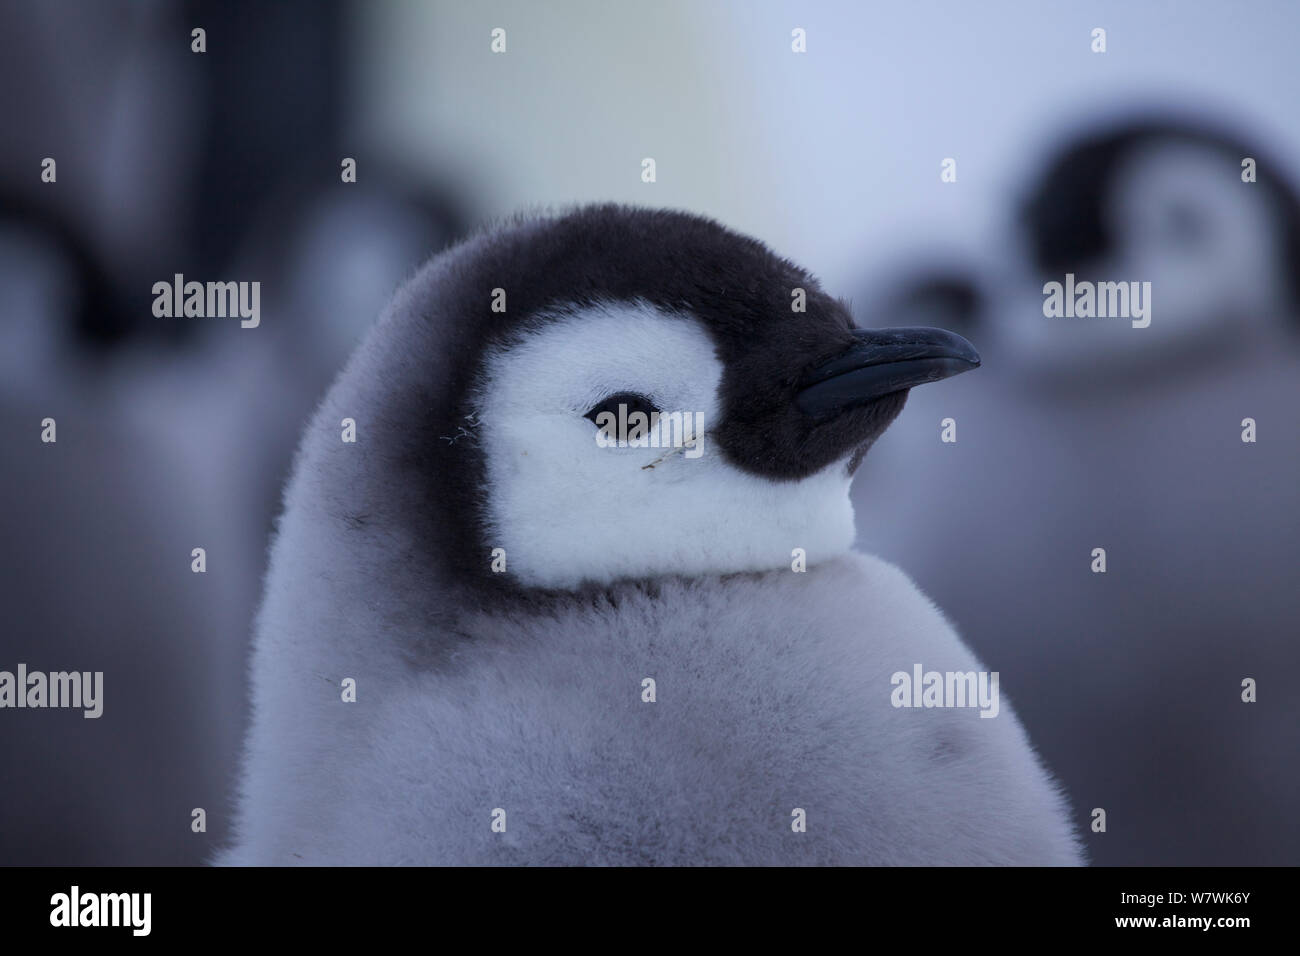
1210, 247
567, 510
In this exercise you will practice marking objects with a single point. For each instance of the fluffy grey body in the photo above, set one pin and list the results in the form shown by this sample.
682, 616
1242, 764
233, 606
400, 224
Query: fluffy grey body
756, 714
522, 691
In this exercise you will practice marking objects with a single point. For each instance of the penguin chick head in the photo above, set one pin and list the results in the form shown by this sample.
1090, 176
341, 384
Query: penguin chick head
654, 394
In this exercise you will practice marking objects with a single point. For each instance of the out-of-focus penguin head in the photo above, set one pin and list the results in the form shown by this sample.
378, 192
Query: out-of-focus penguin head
1181, 216
673, 398
1160, 201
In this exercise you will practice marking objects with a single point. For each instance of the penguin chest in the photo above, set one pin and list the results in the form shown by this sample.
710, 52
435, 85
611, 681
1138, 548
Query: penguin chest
726, 723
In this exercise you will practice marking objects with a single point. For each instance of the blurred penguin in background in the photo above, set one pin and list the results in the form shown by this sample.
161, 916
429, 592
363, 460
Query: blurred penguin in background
98, 528
1174, 448
1206, 217
172, 433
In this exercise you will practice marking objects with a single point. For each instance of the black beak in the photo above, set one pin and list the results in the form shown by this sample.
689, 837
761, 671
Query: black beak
880, 362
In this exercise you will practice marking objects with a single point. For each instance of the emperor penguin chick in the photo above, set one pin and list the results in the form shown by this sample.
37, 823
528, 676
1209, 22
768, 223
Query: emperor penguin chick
549, 606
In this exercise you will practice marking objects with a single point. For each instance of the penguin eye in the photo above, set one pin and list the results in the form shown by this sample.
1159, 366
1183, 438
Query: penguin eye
631, 401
